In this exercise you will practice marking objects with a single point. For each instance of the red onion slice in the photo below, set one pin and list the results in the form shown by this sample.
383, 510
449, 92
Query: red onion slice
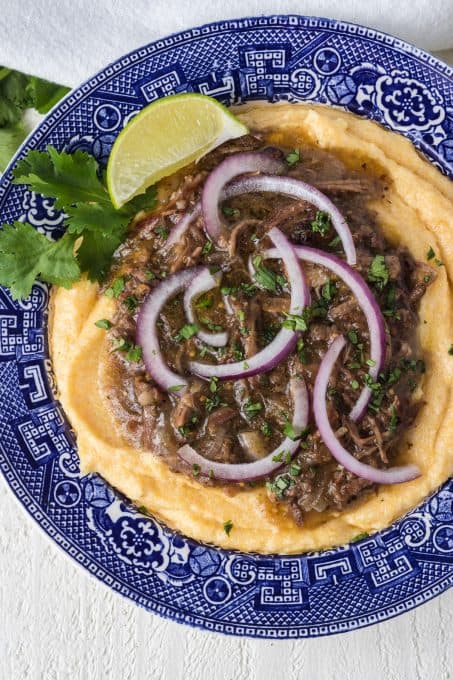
181, 227
245, 472
394, 475
285, 340
200, 284
146, 334
236, 164
295, 188
367, 303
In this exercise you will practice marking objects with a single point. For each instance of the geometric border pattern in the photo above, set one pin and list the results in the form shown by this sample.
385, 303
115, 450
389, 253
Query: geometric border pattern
277, 58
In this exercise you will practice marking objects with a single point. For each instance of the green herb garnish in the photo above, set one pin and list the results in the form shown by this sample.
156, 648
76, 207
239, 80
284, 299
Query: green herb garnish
204, 302
134, 354
293, 157
266, 278
295, 322
72, 180
378, 272
227, 526
266, 429
105, 324
353, 337
359, 537
176, 388
253, 408
162, 231
186, 332
131, 303
116, 288
321, 224
207, 248
230, 212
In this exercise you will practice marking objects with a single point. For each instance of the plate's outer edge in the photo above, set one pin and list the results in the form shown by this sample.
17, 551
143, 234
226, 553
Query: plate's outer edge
291, 58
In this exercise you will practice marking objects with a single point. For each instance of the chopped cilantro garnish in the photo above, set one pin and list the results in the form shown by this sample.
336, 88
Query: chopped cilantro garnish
227, 526
186, 332
328, 290
430, 254
116, 288
204, 302
195, 469
248, 288
240, 314
266, 429
295, 322
335, 242
213, 384
120, 345
105, 324
134, 353
238, 352
230, 212
355, 384
321, 224
162, 231
393, 420
266, 278
302, 352
131, 303
175, 388
359, 537
150, 275
207, 248
353, 337
378, 272
290, 432
295, 470
278, 457
293, 157
394, 376
253, 408
212, 326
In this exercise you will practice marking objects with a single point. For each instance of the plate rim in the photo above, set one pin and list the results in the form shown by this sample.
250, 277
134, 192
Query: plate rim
302, 22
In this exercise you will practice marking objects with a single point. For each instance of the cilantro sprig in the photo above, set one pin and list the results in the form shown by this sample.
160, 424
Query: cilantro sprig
95, 228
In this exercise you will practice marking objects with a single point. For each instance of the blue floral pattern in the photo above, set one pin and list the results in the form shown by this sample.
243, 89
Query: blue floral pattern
282, 58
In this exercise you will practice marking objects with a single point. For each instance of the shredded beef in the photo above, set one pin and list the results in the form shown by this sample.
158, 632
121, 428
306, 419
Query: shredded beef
216, 417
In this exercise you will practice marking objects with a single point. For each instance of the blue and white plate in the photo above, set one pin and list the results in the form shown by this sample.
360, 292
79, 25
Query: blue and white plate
289, 58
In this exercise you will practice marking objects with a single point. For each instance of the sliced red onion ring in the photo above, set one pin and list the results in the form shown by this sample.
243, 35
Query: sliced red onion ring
367, 303
295, 188
285, 340
236, 164
200, 284
181, 227
146, 335
394, 475
244, 472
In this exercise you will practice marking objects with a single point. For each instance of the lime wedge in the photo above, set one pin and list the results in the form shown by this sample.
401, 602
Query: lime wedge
164, 137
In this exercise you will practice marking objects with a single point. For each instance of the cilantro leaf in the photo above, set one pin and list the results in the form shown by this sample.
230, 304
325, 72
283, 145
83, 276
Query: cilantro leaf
68, 178
44, 94
145, 201
321, 224
10, 139
378, 272
26, 255
14, 96
96, 218
95, 253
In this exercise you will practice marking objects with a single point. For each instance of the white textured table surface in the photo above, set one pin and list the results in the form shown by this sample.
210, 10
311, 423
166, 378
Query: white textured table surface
57, 623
